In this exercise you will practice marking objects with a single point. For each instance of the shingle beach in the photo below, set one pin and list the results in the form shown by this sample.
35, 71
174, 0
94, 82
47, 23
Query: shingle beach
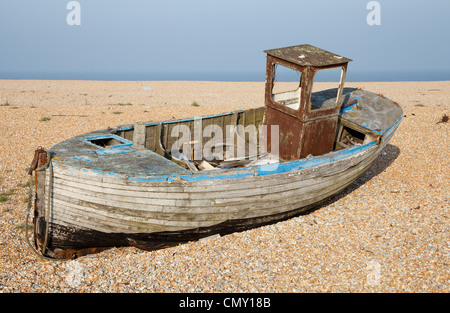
389, 231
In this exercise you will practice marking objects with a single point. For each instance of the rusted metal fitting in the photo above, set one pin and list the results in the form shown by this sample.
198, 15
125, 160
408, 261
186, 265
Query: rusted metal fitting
39, 159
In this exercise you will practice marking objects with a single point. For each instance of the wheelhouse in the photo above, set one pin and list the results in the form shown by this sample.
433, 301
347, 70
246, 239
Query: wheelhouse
307, 121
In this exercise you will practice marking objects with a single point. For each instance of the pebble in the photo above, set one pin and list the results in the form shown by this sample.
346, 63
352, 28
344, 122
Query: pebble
387, 232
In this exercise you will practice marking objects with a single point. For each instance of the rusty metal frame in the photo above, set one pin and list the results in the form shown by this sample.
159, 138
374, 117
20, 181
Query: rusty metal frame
312, 114
303, 131
271, 61
308, 73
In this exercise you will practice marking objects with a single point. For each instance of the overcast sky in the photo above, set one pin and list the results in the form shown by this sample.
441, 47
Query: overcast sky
176, 36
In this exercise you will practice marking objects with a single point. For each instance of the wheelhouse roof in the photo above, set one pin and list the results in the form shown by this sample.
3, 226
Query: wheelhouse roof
307, 55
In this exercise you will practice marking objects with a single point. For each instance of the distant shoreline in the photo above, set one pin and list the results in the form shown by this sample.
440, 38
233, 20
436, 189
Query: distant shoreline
203, 81
352, 76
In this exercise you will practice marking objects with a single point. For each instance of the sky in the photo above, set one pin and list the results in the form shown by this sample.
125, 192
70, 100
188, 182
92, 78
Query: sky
179, 39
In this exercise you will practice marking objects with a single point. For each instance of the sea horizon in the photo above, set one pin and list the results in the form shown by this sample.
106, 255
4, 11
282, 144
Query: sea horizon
352, 76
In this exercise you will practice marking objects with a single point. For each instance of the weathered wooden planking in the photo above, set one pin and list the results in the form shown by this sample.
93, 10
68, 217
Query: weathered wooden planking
160, 137
251, 181
227, 186
270, 207
202, 213
284, 206
193, 199
288, 182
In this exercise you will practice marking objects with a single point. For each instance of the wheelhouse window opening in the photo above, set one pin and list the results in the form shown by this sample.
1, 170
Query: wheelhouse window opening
327, 88
286, 86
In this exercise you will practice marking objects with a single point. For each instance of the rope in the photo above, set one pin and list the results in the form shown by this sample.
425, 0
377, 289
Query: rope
47, 211
31, 207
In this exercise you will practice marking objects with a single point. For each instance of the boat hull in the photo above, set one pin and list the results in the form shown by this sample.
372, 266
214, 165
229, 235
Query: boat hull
123, 186
82, 211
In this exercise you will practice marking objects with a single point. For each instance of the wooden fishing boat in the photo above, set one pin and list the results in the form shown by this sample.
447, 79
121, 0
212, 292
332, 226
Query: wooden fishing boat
154, 184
